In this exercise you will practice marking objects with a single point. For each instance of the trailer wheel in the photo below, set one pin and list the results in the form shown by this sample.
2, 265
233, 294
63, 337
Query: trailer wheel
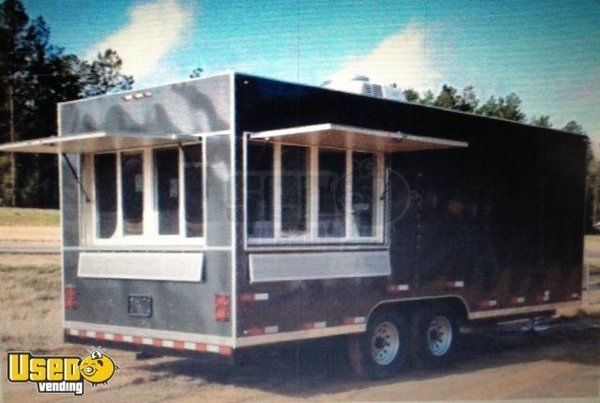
434, 337
382, 351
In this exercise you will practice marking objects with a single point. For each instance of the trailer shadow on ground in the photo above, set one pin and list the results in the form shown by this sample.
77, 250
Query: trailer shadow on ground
312, 368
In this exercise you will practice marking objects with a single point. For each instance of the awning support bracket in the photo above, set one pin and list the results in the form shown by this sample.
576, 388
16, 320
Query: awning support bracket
76, 176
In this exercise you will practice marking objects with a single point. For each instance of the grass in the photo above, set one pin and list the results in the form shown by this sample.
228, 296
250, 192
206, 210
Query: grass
30, 298
31, 269
10, 216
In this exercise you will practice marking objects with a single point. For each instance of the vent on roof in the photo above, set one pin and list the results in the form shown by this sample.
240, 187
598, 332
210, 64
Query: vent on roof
363, 86
372, 90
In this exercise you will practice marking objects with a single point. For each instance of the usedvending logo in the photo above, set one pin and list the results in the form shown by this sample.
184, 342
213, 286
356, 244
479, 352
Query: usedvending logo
61, 374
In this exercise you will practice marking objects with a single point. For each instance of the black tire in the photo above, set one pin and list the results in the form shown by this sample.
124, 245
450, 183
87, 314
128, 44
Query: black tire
434, 337
374, 353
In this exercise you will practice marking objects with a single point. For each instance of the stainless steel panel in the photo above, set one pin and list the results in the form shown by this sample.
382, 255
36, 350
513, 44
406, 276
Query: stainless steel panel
70, 207
177, 306
218, 191
197, 106
267, 267
142, 266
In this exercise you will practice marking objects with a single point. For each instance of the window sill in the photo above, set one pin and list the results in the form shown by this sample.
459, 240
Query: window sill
135, 242
146, 248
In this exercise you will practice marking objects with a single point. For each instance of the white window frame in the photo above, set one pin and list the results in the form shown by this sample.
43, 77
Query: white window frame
312, 236
150, 234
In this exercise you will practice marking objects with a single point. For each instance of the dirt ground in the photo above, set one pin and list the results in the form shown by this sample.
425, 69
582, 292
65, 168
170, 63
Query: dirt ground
560, 362
39, 234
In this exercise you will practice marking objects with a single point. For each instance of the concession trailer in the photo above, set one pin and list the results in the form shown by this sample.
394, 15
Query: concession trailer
233, 211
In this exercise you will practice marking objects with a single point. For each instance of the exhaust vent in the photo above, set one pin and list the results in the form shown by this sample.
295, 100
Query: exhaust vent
362, 85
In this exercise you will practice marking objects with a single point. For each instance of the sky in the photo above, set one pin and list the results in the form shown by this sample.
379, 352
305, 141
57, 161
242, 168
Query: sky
547, 52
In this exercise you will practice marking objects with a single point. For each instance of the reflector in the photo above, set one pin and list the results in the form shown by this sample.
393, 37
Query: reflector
222, 302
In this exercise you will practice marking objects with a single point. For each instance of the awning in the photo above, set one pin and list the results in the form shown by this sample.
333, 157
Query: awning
355, 138
92, 142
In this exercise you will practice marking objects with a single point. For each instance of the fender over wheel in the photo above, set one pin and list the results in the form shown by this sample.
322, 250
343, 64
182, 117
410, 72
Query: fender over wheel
382, 351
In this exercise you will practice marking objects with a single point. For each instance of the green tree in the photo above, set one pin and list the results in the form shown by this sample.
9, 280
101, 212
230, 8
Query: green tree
197, 72
427, 99
508, 107
447, 97
103, 75
541, 121
34, 76
467, 102
13, 23
411, 95
573, 127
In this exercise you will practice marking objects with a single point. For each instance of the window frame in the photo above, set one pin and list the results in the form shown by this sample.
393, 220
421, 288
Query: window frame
150, 235
313, 238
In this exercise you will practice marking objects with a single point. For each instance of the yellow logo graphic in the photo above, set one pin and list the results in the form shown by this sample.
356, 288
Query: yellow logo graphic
97, 368
61, 374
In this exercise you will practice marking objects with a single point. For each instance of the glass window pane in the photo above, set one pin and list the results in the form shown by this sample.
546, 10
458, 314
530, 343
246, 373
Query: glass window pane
192, 156
105, 176
364, 172
332, 189
166, 168
260, 190
132, 190
294, 192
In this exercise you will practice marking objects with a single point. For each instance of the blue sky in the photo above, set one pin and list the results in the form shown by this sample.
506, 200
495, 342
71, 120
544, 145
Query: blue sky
548, 52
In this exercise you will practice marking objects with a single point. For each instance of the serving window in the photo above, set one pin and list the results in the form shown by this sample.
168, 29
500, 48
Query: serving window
309, 194
153, 195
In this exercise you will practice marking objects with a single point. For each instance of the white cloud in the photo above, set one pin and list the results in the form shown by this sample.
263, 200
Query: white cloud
402, 58
154, 29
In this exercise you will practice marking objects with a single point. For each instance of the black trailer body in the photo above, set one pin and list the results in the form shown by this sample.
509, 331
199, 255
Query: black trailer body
234, 211
493, 227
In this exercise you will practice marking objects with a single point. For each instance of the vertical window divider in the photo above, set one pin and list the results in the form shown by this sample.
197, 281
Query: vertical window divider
380, 202
313, 193
277, 207
181, 191
348, 195
93, 207
119, 199
204, 194
150, 213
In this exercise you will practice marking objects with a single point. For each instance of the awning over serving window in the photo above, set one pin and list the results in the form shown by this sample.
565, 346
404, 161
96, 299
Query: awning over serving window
92, 142
357, 138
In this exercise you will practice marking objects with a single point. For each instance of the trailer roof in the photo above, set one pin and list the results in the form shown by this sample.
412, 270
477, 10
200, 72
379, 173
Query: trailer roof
93, 142
357, 138
423, 117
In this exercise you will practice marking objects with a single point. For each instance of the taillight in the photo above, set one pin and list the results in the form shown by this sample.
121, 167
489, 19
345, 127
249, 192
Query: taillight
222, 302
70, 296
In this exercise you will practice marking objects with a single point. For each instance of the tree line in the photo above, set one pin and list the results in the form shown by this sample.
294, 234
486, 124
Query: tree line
505, 107
34, 76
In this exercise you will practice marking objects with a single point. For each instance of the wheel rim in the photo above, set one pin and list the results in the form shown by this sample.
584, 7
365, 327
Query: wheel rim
385, 343
439, 335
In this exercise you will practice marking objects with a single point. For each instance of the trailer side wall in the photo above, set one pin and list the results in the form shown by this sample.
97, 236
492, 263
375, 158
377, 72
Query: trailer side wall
498, 225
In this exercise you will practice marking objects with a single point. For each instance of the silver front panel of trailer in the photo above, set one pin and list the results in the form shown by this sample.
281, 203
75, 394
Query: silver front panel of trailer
198, 107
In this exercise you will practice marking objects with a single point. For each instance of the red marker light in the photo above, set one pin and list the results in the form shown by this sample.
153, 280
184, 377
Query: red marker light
70, 297
222, 302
